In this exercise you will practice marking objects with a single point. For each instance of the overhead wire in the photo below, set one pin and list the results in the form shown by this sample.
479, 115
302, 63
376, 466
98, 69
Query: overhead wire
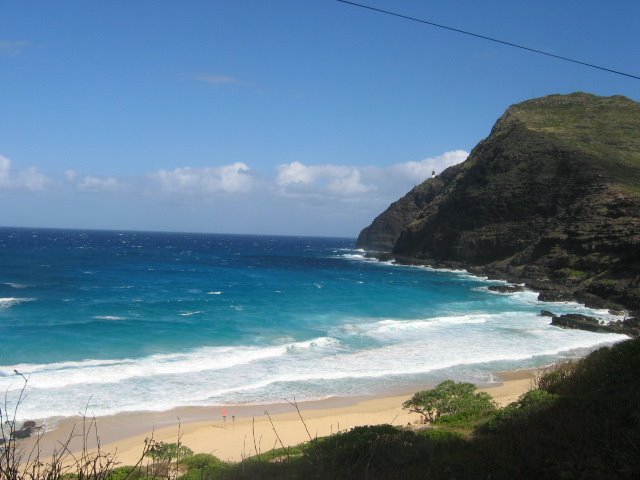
491, 39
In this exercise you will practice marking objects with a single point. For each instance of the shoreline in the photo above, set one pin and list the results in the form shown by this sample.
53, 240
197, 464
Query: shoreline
204, 430
624, 319
546, 289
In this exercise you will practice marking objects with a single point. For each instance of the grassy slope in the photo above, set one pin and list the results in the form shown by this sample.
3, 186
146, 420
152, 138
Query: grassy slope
606, 128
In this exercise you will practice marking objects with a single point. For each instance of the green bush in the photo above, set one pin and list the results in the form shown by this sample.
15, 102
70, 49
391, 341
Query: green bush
380, 450
166, 452
127, 473
451, 402
202, 466
529, 405
440, 435
553, 380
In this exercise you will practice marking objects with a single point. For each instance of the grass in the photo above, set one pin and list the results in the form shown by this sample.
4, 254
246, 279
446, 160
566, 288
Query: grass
605, 128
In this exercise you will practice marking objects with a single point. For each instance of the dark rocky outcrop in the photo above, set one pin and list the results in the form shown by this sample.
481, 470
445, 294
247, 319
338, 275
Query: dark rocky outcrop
28, 428
628, 326
550, 199
381, 235
506, 288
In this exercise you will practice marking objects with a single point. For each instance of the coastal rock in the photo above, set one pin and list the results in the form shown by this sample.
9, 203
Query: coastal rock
506, 288
550, 199
628, 326
383, 232
578, 321
547, 313
22, 433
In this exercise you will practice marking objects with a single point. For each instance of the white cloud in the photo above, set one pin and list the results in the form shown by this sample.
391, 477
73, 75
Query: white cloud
31, 179
233, 178
295, 172
28, 179
96, 184
5, 170
70, 175
215, 79
339, 180
12, 47
352, 182
421, 170
348, 184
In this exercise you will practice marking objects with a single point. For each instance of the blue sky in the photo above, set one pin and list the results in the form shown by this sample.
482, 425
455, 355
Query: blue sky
278, 117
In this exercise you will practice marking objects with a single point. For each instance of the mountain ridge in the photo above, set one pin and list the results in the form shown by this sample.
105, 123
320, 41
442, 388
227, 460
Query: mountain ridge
551, 198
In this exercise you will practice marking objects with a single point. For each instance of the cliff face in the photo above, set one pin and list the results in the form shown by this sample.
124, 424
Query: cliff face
550, 198
385, 229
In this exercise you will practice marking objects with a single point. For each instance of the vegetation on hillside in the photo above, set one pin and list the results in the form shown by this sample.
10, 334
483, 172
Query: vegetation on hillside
599, 126
551, 199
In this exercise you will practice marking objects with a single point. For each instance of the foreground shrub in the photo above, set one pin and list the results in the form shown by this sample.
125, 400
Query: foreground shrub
202, 466
374, 452
441, 435
530, 404
166, 452
455, 403
127, 473
553, 379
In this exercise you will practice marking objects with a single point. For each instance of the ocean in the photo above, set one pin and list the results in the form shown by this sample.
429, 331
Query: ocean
106, 321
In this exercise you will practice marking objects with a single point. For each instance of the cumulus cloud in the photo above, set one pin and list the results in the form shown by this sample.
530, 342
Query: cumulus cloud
27, 179
215, 79
325, 187
418, 171
90, 183
233, 178
5, 170
11, 48
352, 182
32, 179
339, 180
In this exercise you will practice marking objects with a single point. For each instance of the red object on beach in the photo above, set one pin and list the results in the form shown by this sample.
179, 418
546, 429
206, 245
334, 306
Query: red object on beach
224, 412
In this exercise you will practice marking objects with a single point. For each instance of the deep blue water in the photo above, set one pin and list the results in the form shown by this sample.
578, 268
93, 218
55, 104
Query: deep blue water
199, 319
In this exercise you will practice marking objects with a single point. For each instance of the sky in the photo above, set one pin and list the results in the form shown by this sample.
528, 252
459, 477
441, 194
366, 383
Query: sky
294, 117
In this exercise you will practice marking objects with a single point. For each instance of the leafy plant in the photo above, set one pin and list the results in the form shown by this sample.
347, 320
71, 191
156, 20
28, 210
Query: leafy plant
528, 406
450, 398
165, 452
202, 466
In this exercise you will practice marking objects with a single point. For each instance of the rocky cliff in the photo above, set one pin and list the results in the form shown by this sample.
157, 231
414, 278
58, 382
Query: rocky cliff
550, 198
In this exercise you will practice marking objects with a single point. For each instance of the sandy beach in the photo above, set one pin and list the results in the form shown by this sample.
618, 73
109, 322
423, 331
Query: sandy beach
232, 433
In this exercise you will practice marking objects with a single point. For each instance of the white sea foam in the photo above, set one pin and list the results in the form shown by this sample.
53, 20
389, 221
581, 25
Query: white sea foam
392, 262
188, 314
363, 258
215, 375
16, 285
387, 327
526, 296
214, 293
108, 317
354, 256
65, 374
7, 302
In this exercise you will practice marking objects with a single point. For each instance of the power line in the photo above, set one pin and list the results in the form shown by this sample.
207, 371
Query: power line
510, 44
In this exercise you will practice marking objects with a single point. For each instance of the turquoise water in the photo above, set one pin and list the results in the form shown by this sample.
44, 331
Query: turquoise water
127, 321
